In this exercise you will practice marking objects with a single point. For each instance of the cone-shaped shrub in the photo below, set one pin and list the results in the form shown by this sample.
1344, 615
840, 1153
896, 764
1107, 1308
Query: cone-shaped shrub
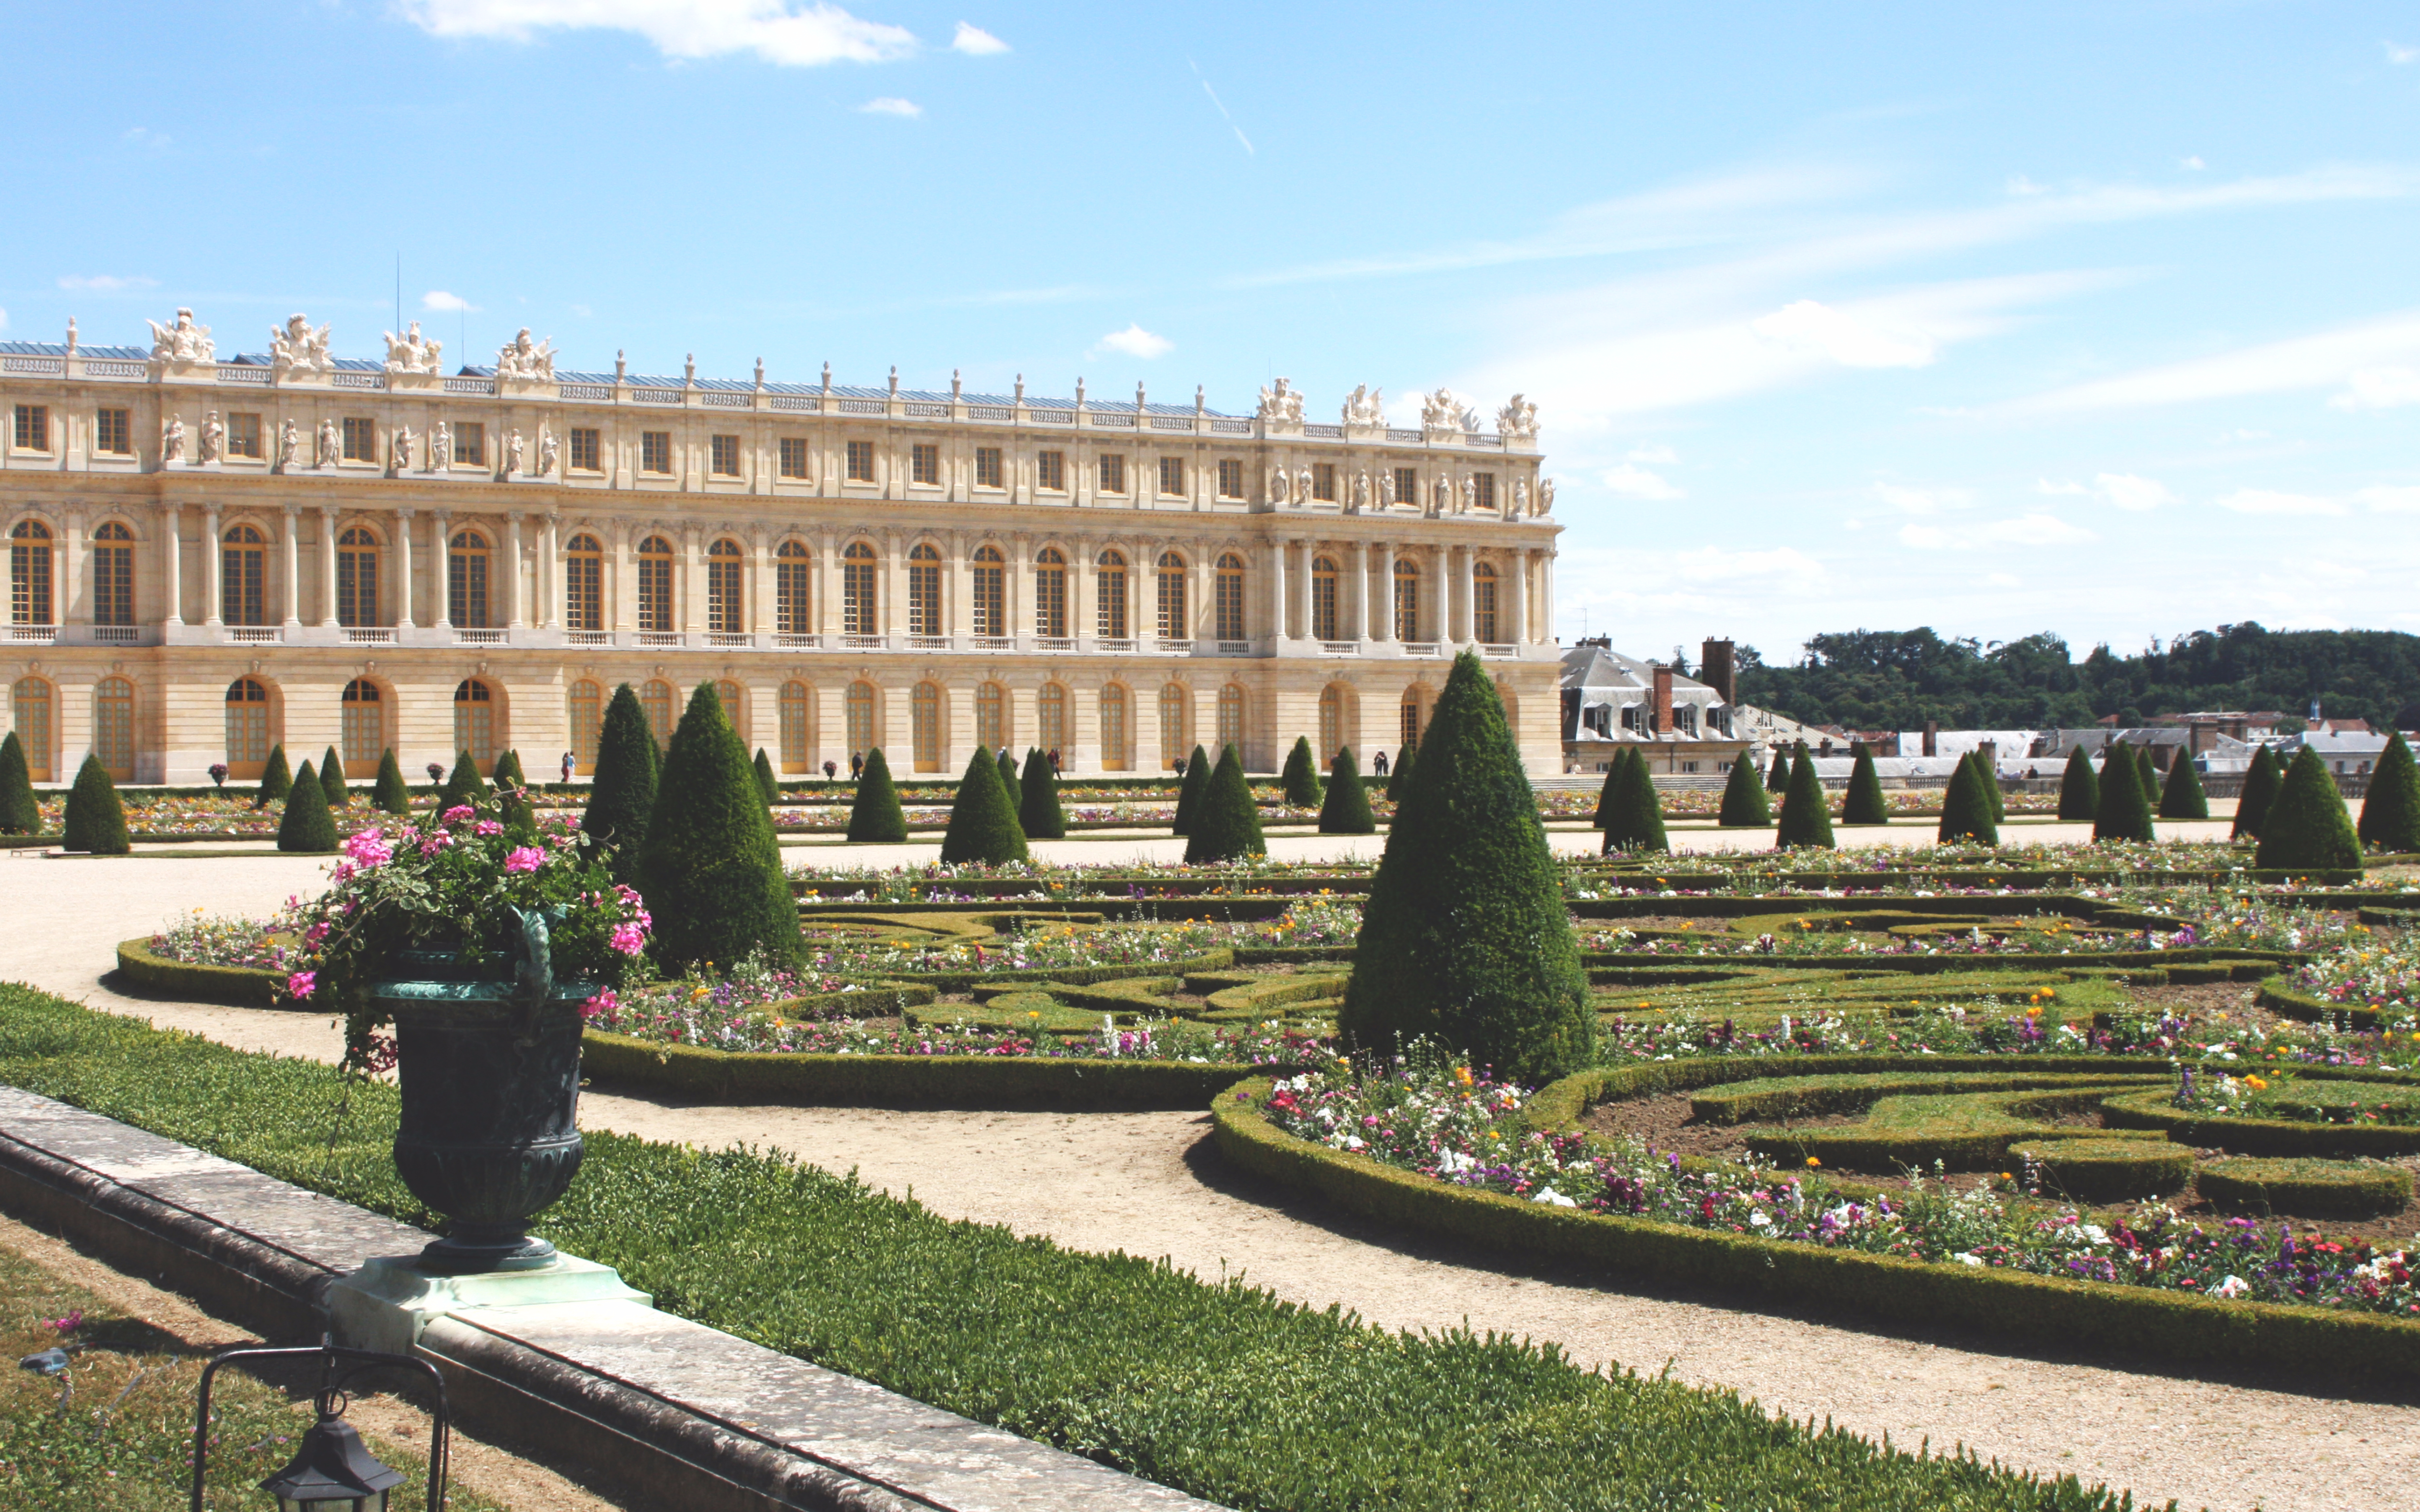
2261, 784
1227, 827
1345, 808
983, 828
1965, 813
875, 817
389, 794
2150, 776
307, 827
1610, 787
1990, 774
1037, 800
712, 867
1301, 776
96, 821
463, 785
2182, 798
2390, 812
1778, 781
622, 791
1466, 939
1637, 822
1398, 776
1008, 783
2307, 828
1745, 805
1805, 818
2125, 812
508, 770
1865, 803
1188, 793
2079, 791
20, 813
767, 783
331, 781
277, 780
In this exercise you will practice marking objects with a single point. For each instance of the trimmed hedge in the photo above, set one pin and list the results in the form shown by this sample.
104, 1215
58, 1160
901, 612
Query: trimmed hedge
2304, 1188
20, 811
277, 780
1864, 803
2280, 996
2182, 798
1300, 778
1188, 791
622, 794
2390, 812
1632, 817
1344, 808
2260, 785
1038, 814
2260, 1136
2125, 808
2308, 825
306, 826
95, 821
2106, 1170
2079, 791
1745, 805
241, 986
1805, 820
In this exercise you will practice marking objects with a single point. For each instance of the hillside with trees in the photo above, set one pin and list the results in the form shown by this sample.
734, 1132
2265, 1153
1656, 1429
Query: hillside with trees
1897, 679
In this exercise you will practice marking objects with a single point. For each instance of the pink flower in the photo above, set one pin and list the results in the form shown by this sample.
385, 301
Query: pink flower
436, 843
487, 826
604, 1002
525, 858
629, 938
317, 933
302, 983
342, 873
369, 847
457, 815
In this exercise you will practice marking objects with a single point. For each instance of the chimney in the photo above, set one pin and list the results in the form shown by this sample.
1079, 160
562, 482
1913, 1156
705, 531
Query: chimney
2205, 737
1718, 670
1659, 709
1990, 751
1932, 738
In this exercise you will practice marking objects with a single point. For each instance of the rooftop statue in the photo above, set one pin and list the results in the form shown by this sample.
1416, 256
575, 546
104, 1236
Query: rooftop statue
1281, 402
1365, 405
1519, 419
295, 347
183, 342
411, 352
525, 359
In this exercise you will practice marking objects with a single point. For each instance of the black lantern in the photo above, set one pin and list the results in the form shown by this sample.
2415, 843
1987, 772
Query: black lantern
332, 1470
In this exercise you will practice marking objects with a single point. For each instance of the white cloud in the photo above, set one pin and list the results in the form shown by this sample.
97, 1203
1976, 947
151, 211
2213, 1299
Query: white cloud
1714, 564
2396, 53
2020, 184
2391, 501
1845, 338
2026, 530
2270, 501
2001, 580
1658, 455
106, 282
2120, 490
437, 298
803, 35
2192, 164
1922, 501
976, 42
2378, 388
1631, 481
2313, 361
890, 105
1134, 342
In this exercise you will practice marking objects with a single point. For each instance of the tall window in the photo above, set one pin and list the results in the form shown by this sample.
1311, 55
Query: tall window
357, 577
247, 727
858, 608
33, 427
1050, 593
1485, 490
585, 705
471, 444
113, 433
1171, 477
1050, 470
860, 461
794, 456
1111, 620
1407, 486
1483, 602
29, 574
656, 703
925, 706
991, 592
1116, 749
860, 718
991, 716
1331, 722
1231, 477
360, 438
1408, 721
244, 434
1407, 599
1230, 608
112, 727
475, 722
1175, 710
1173, 625
29, 713
656, 584
1050, 715
794, 570
1323, 598
1112, 474
1323, 480
243, 578
988, 471
112, 574
583, 584
735, 708
587, 449
794, 727
723, 456
925, 463
365, 721
726, 611
1230, 718
924, 591
656, 451
466, 581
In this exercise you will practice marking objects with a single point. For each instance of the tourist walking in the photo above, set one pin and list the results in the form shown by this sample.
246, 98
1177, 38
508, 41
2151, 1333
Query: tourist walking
856, 764
567, 766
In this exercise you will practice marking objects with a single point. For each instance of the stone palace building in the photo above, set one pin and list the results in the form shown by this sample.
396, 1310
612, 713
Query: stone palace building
210, 557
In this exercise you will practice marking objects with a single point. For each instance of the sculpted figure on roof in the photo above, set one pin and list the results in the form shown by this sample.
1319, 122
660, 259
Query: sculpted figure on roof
295, 347
172, 440
532, 362
1519, 419
1445, 410
1365, 405
411, 352
213, 436
1281, 402
183, 342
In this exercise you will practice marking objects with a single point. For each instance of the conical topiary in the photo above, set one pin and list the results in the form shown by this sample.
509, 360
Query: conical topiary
1864, 803
1189, 791
1989, 774
2182, 796
2389, 812
622, 791
1805, 818
767, 783
1008, 783
982, 827
875, 818
464, 784
308, 828
2261, 781
1778, 781
1345, 808
712, 867
1745, 805
2150, 774
1301, 776
96, 820
277, 780
1635, 821
1466, 940
331, 781
1226, 828
1398, 776
2079, 791
1965, 811
2307, 828
2125, 812
1037, 800
507, 770
21, 813
1610, 787
390, 793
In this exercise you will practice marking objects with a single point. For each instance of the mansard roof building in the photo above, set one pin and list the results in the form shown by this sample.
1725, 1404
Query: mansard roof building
210, 557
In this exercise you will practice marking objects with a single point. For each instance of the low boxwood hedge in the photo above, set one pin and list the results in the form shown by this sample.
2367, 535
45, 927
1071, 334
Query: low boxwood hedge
2105, 1169
2279, 996
2304, 1188
243, 986
2260, 1136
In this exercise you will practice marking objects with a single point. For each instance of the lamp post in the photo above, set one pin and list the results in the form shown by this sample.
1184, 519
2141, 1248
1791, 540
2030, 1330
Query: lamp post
332, 1470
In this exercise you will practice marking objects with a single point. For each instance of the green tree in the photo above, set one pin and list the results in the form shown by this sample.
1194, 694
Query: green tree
1806, 819
767, 783
1636, 819
1301, 776
464, 784
2389, 812
982, 825
1966, 811
1008, 783
2150, 774
2182, 796
1865, 803
622, 790
331, 781
1467, 939
1227, 825
277, 780
507, 769
1778, 781
2307, 828
2261, 781
1037, 802
1189, 791
1345, 808
306, 825
2079, 791
21, 813
96, 821
875, 817
1990, 773
1398, 776
390, 793
1610, 788
1746, 803
2125, 812
711, 866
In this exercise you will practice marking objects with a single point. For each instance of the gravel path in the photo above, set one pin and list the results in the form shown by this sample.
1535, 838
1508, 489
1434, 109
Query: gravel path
1152, 1185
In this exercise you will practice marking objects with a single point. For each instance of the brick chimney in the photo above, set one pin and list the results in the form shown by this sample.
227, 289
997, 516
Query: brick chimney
1659, 707
1932, 738
1990, 753
1718, 669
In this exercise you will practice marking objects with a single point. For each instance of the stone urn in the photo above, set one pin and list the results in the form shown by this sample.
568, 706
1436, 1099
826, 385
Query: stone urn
488, 1062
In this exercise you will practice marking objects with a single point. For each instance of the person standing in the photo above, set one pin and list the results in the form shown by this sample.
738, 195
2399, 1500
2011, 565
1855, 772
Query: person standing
1378, 765
1054, 760
567, 766
856, 764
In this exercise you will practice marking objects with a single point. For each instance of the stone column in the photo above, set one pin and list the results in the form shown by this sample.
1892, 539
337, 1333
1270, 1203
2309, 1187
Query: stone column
1520, 595
440, 569
1381, 624
891, 613
1546, 602
692, 618
293, 565
213, 569
1201, 590
1020, 588
1082, 599
1354, 613
513, 570
328, 567
1277, 551
760, 602
959, 599
826, 605
172, 563
550, 564
403, 569
1466, 586
76, 576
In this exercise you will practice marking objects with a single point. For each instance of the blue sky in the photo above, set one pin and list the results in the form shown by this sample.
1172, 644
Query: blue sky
2099, 319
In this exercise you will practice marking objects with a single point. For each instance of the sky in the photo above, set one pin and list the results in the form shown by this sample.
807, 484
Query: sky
2096, 319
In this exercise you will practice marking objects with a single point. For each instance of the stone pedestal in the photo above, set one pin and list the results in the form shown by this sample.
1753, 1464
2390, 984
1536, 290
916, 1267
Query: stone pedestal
386, 1304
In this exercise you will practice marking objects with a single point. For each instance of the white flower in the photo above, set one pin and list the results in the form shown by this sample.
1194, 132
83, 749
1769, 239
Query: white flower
2234, 1286
1758, 1220
1968, 1258
1553, 1198
1352, 1142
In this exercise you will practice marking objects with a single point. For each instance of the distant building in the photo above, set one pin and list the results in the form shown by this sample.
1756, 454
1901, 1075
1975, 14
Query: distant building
2346, 755
1682, 725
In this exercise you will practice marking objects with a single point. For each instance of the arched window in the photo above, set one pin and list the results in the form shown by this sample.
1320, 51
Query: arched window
860, 718
29, 574
247, 727
796, 752
1323, 598
726, 609
1050, 715
991, 593
1112, 619
859, 613
1407, 721
924, 591
656, 585
29, 713
1117, 750
357, 577
243, 579
656, 703
113, 575
475, 723
1229, 607
365, 711
925, 707
735, 709
991, 717
794, 570
1175, 723
1174, 623
1050, 594
466, 581
1231, 719
583, 584
113, 726
1407, 599
1483, 602
1331, 722
585, 705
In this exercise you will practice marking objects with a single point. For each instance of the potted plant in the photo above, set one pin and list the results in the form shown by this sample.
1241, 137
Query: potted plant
483, 950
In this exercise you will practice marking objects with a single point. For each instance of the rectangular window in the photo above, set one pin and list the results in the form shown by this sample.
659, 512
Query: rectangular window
584, 600
112, 434
361, 440
791, 579
113, 584
33, 427
1230, 606
1482, 609
1171, 477
1323, 480
925, 463
656, 451
587, 449
1231, 477
860, 461
1173, 622
654, 593
1050, 470
1112, 474
724, 456
924, 597
471, 444
1109, 613
1484, 497
243, 435
794, 456
988, 473
991, 603
1407, 486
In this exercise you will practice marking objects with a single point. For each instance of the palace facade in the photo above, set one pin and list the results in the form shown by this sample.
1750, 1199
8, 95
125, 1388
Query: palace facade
210, 557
